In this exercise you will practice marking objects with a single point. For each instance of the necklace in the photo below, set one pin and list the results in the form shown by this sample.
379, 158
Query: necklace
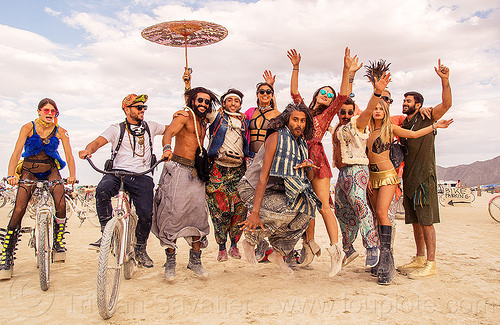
42, 123
264, 109
141, 143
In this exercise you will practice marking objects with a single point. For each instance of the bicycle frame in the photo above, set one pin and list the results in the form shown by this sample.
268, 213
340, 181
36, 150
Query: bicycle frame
122, 213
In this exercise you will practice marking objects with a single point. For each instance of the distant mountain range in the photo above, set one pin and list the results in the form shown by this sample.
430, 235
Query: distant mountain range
478, 173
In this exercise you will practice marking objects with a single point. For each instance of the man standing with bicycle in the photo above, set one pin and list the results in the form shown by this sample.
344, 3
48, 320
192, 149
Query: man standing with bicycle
132, 151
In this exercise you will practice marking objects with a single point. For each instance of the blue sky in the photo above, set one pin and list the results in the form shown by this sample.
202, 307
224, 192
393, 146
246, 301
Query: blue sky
87, 55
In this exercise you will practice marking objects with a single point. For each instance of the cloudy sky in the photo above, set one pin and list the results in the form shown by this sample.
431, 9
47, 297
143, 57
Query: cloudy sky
87, 55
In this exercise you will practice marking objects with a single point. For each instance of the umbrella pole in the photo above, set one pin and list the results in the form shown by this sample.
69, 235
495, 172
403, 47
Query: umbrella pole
186, 51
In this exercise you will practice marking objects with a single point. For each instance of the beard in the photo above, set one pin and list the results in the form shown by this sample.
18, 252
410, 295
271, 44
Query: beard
410, 110
198, 113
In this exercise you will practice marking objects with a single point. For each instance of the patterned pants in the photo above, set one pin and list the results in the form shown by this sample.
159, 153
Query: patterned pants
224, 203
351, 206
283, 227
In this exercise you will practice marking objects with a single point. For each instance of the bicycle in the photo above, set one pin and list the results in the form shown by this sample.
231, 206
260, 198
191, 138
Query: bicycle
86, 212
117, 245
494, 208
40, 235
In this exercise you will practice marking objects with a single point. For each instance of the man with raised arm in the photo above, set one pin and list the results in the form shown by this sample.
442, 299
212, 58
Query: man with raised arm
179, 205
277, 187
132, 150
419, 178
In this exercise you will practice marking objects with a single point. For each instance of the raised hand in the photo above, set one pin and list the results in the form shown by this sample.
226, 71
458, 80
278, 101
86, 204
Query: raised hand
351, 63
268, 77
382, 82
186, 77
294, 57
442, 71
354, 66
443, 124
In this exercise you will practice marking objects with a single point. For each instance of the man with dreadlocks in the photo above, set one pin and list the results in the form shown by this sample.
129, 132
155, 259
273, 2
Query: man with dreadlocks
277, 189
134, 154
179, 205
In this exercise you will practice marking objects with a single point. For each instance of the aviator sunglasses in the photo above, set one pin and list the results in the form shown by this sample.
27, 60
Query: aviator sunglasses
140, 107
323, 92
387, 99
52, 111
200, 100
267, 91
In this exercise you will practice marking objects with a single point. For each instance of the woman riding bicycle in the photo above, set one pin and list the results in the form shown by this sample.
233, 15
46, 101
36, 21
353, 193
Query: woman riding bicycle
40, 139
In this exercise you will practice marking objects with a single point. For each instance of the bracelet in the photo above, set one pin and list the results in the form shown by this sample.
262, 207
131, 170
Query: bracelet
376, 95
351, 79
167, 147
433, 126
9, 177
296, 69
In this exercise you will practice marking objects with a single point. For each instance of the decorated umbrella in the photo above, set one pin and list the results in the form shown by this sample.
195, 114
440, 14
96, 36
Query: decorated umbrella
185, 33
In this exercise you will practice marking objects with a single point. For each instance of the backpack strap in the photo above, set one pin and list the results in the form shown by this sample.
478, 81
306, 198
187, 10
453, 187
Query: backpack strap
115, 151
146, 126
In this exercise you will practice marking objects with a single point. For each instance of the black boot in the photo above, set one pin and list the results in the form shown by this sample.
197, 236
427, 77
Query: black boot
58, 250
97, 244
9, 239
169, 265
386, 270
141, 256
195, 264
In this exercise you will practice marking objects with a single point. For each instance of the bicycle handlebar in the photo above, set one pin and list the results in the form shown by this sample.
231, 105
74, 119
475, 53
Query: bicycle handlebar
50, 183
119, 173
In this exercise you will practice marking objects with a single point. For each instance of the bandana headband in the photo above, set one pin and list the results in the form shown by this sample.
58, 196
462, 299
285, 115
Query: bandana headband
132, 99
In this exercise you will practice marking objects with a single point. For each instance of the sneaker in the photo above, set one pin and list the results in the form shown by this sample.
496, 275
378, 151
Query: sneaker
415, 263
350, 256
222, 257
372, 255
234, 252
260, 250
428, 269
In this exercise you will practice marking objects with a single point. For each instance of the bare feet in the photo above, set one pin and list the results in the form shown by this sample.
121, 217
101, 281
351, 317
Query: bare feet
277, 258
249, 252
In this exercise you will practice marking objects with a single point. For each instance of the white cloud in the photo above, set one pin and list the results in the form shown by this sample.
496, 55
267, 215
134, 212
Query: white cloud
88, 81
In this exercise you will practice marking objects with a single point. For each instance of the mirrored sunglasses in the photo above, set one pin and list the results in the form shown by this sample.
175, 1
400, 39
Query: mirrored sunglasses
323, 92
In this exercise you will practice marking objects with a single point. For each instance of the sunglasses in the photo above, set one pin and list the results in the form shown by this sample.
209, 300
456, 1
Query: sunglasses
52, 111
349, 112
323, 92
140, 107
201, 100
267, 91
387, 99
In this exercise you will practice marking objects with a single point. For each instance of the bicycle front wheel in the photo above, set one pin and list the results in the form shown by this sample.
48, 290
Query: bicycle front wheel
494, 208
109, 269
43, 250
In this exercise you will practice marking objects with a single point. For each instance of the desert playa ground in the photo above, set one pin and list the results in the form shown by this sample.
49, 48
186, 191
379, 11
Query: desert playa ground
465, 291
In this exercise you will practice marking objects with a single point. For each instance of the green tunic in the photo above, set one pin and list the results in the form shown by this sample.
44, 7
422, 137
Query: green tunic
419, 175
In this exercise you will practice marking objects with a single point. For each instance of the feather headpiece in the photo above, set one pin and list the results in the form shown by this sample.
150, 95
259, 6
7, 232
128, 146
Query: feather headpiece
375, 70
